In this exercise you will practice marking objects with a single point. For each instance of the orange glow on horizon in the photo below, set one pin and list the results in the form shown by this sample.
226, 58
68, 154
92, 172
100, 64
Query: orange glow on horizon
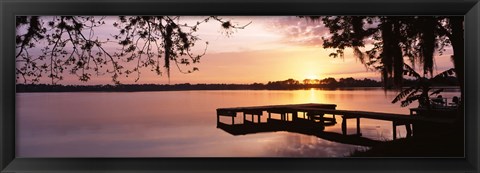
311, 76
264, 51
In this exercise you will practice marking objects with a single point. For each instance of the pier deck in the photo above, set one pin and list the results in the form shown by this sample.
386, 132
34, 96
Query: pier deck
316, 113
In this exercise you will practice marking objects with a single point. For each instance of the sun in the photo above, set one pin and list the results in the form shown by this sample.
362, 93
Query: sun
311, 76
311, 79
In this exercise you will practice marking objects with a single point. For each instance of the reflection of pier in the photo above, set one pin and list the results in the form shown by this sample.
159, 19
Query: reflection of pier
311, 119
274, 125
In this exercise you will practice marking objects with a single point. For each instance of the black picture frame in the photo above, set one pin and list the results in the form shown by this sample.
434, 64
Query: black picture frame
10, 8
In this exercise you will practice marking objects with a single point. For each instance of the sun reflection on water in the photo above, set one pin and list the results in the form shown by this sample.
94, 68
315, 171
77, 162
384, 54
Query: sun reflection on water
181, 124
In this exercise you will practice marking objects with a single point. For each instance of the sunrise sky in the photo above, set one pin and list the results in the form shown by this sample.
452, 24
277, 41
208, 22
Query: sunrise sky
271, 48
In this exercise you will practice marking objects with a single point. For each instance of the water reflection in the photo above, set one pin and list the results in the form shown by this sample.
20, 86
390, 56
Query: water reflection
297, 126
178, 124
308, 146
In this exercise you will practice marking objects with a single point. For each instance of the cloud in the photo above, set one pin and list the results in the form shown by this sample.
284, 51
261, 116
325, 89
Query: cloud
299, 30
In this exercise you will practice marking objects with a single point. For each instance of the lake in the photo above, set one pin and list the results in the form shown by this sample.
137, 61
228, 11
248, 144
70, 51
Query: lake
183, 123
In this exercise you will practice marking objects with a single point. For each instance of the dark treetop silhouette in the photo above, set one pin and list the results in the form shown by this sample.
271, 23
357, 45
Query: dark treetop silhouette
423, 86
71, 45
396, 37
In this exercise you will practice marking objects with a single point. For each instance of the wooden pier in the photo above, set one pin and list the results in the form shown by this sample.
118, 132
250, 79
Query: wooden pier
316, 114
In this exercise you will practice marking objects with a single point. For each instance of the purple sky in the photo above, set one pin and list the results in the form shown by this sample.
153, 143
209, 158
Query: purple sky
270, 48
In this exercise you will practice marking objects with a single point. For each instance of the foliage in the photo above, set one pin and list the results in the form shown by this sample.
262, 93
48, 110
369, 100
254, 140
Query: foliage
422, 90
395, 38
69, 43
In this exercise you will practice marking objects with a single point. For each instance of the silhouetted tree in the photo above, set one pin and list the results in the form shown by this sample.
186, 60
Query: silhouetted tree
69, 43
347, 81
328, 81
422, 90
307, 81
393, 38
291, 82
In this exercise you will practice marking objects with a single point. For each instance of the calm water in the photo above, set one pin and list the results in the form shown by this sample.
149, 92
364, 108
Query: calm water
183, 123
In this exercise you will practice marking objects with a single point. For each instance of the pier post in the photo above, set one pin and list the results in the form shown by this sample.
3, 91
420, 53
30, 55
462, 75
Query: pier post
269, 115
294, 116
244, 118
218, 119
258, 119
358, 126
394, 130
344, 125
322, 120
409, 130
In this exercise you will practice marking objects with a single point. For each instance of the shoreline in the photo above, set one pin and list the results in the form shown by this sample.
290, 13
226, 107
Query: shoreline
448, 141
39, 88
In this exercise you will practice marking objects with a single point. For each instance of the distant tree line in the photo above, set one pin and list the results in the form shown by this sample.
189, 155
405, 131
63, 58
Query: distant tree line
289, 84
324, 83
